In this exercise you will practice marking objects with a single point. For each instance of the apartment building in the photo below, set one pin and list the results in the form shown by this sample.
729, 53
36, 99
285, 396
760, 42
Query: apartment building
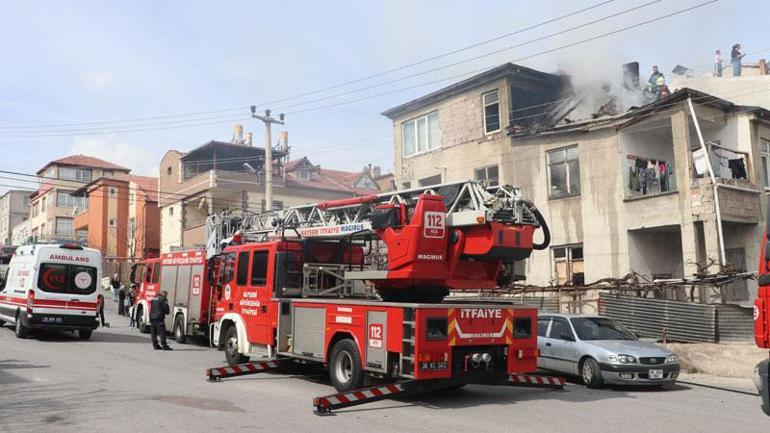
632, 189
54, 205
14, 208
219, 176
121, 217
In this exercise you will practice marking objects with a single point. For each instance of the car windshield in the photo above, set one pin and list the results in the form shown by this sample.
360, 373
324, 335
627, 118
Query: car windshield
600, 328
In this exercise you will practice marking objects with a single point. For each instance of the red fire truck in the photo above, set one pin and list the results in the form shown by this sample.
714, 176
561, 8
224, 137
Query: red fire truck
762, 318
183, 275
359, 285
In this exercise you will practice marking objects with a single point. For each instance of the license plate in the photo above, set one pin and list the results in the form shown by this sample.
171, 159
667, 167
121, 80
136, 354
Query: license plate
435, 365
656, 374
47, 319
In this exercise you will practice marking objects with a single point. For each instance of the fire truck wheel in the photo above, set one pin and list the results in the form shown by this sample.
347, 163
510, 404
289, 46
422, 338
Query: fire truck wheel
591, 374
84, 334
179, 331
19, 328
232, 355
345, 368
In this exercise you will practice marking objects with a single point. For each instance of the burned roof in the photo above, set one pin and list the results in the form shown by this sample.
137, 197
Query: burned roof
635, 113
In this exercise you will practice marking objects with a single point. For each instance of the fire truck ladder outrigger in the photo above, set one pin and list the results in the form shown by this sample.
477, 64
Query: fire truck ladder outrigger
359, 285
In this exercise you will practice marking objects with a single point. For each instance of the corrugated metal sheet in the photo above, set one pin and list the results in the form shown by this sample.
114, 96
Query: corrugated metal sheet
735, 324
682, 321
548, 304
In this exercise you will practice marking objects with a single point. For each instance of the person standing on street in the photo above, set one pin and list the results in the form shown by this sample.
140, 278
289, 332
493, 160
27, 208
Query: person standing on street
735, 59
100, 308
158, 311
121, 302
115, 284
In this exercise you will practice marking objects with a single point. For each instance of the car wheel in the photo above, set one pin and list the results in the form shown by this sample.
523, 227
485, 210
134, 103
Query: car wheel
591, 374
232, 355
179, 330
84, 334
19, 328
2, 323
345, 368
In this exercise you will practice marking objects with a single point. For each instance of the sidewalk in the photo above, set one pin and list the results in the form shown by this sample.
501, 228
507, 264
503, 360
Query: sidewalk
725, 360
729, 383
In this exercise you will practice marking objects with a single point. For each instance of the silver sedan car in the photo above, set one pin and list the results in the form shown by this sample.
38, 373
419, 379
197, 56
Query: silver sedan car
601, 350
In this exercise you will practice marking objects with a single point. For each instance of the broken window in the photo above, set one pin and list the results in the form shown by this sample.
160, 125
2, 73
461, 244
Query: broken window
563, 172
568, 264
488, 175
491, 102
421, 134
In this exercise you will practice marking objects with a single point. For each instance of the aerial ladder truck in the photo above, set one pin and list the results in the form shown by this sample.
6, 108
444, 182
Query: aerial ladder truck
361, 286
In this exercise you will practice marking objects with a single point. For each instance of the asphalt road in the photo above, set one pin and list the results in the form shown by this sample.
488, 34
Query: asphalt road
116, 382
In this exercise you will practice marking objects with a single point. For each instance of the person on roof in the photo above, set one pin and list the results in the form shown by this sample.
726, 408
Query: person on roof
735, 59
718, 63
656, 79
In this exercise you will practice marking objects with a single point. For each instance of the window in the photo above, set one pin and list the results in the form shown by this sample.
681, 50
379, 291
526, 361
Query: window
108, 173
229, 268
112, 221
421, 134
42, 203
35, 210
169, 171
764, 150
568, 264
66, 199
560, 329
436, 328
57, 278
42, 230
491, 103
407, 185
171, 211
522, 327
72, 173
428, 181
542, 325
64, 226
563, 172
259, 268
113, 191
488, 175
131, 197
156, 273
600, 328
243, 268
303, 173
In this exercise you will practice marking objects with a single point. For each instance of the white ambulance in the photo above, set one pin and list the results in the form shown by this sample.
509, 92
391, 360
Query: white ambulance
51, 286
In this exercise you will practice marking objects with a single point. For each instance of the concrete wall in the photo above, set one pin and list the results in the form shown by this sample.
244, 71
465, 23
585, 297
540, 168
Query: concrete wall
464, 146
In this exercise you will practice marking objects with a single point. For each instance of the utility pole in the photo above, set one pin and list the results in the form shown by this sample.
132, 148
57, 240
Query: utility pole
268, 121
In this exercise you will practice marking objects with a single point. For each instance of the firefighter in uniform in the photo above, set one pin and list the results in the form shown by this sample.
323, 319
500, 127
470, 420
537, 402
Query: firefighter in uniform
158, 312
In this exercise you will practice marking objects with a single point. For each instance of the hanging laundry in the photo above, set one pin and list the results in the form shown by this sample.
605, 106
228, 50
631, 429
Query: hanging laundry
633, 179
738, 168
663, 173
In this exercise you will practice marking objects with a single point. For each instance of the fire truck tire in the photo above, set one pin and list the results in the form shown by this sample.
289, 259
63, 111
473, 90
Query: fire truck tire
84, 334
232, 355
345, 368
179, 330
19, 328
591, 373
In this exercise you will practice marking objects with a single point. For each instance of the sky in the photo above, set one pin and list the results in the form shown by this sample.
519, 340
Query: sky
120, 80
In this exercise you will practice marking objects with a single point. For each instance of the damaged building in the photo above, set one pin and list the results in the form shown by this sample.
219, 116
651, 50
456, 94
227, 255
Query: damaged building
663, 188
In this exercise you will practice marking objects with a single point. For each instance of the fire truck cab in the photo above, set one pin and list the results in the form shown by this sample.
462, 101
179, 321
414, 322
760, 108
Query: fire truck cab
51, 286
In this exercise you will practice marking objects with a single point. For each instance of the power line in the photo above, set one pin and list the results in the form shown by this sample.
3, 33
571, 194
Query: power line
531, 41
336, 86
